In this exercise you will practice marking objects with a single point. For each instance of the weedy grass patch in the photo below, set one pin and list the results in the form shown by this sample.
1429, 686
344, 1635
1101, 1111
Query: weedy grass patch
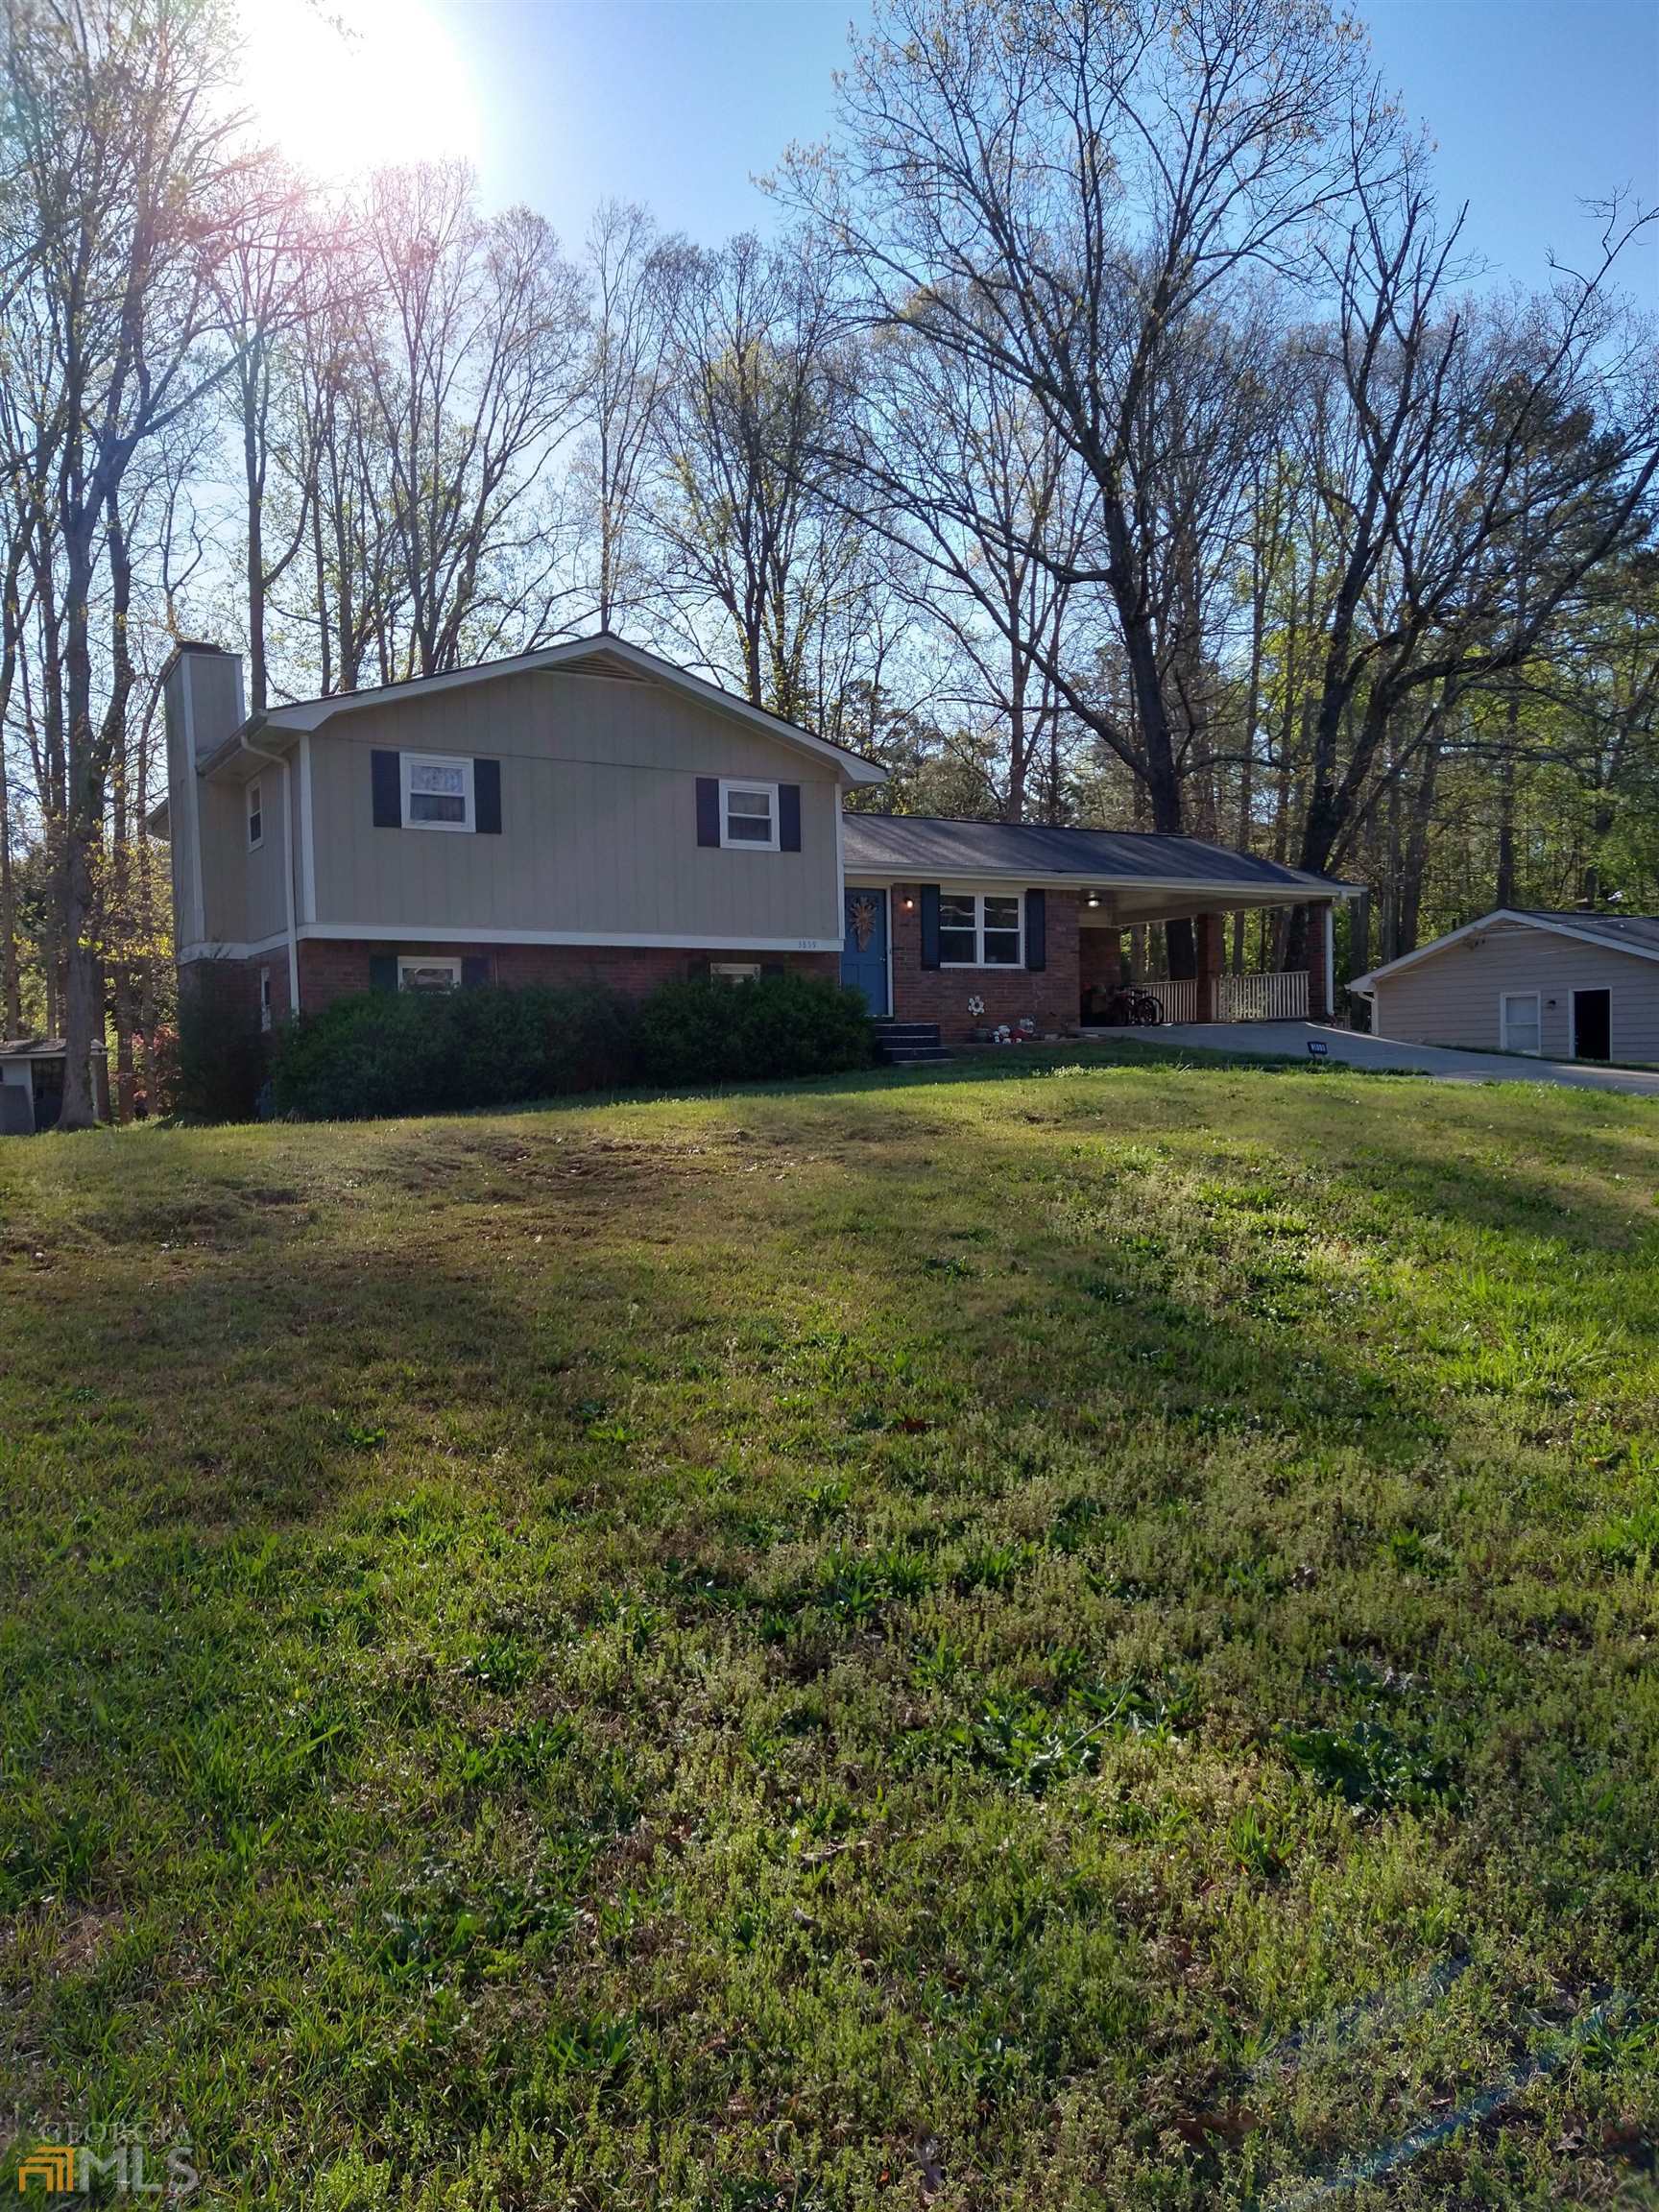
1074, 1633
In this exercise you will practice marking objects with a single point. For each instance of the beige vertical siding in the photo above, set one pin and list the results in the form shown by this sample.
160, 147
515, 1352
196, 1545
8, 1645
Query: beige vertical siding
266, 908
599, 826
1452, 997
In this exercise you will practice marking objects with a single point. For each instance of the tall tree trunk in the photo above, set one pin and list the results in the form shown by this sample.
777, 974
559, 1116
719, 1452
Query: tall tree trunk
83, 826
254, 475
1504, 888
1417, 849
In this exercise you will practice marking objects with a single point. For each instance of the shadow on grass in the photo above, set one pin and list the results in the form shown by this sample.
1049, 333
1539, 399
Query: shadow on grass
360, 1471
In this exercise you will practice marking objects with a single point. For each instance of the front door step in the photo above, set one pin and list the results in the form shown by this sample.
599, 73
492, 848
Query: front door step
904, 1044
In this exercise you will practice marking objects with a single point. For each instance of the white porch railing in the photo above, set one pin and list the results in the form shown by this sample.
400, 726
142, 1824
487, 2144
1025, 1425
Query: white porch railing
1281, 997
1277, 998
1179, 1000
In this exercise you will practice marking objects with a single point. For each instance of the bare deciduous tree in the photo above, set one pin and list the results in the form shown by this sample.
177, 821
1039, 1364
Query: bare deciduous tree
121, 162
1060, 194
474, 367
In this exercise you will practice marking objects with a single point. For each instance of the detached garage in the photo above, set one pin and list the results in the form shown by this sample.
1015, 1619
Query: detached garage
32, 1084
1554, 986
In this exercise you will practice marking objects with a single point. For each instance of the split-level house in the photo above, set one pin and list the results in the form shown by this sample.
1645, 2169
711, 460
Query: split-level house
590, 814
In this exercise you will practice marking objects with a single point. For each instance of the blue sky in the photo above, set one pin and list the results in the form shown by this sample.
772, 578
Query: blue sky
1534, 104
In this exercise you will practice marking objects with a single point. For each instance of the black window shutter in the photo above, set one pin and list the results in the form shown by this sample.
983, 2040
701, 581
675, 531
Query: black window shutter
383, 966
475, 967
387, 773
707, 811
487, 797
789, 817
1036, 930
929, 925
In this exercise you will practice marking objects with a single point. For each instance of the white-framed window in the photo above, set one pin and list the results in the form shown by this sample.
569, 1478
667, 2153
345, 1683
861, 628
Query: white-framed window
748, 816
981, 929
264, 998
437, 792
427, 972
736, 970
255, 815
1521, 1022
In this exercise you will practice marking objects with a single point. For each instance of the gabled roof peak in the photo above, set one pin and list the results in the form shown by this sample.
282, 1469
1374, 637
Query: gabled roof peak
568, 656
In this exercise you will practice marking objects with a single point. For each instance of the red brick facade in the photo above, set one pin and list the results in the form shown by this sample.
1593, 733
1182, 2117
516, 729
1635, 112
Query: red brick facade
1207, 945
1051, 995
1099, 959
1318, 970
338, 968
1048, 994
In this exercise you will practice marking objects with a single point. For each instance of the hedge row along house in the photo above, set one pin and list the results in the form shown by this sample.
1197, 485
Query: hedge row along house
590, 814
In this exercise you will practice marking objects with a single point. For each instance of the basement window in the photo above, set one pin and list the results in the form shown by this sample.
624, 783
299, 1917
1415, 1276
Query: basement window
423, 973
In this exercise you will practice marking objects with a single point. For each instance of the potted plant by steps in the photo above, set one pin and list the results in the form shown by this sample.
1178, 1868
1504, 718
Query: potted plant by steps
975, 1013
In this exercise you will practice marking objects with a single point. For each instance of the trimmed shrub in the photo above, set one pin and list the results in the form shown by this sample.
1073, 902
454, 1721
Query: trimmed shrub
442, 1052
712, 1030
425, 1053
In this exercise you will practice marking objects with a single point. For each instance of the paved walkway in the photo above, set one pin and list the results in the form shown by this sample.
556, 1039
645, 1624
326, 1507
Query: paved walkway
1357, 1051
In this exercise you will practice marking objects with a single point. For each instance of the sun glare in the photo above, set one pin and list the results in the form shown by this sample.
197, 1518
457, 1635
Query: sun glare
343, 85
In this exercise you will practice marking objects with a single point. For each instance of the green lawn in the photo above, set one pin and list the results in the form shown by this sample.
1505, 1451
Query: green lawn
1076, 1637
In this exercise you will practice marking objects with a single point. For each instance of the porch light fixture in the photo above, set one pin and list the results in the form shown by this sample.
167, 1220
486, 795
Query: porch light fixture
1094, 898
907, 903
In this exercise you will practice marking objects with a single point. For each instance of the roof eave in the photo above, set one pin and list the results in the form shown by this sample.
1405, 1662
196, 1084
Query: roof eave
1521, 920
1290, 894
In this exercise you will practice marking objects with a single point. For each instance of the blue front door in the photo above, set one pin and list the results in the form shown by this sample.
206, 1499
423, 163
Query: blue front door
865, 947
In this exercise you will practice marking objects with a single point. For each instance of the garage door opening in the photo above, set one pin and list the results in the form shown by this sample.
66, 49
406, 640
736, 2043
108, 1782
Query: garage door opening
1592, 1024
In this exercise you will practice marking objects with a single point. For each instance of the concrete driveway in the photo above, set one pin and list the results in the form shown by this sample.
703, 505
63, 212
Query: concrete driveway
1357, 1051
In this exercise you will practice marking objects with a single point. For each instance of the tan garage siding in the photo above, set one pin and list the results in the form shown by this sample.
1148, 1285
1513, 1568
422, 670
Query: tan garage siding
598, 819
1452, 997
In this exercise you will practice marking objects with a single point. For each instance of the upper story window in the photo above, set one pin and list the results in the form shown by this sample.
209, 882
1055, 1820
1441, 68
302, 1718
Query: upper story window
437, 792
255, 816
980, 930
748, 815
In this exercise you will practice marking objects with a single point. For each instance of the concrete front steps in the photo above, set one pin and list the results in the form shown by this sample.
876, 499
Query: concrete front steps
909, 1043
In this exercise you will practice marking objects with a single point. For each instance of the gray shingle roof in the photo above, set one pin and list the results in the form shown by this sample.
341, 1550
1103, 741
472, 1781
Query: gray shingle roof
1638, 930
927, 845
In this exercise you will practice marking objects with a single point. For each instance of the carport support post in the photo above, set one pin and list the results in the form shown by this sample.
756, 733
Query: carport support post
1208, 946
1319, 933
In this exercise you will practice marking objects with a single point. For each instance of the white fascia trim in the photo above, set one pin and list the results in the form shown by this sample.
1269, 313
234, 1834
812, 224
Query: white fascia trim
312, 716
382, 933
1596, 937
